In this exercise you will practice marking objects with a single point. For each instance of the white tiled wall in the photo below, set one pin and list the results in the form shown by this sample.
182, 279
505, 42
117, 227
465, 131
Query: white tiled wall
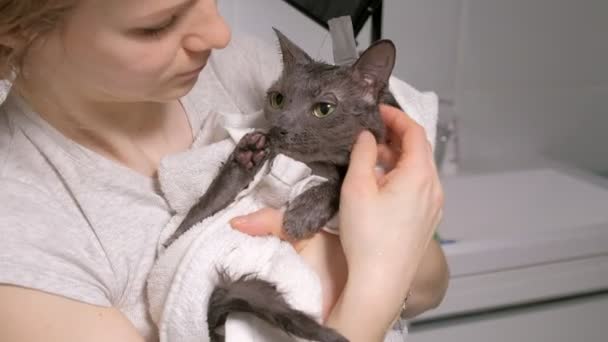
529, 78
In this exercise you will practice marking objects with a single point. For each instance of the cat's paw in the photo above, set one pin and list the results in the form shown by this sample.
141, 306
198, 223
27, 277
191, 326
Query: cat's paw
251, 150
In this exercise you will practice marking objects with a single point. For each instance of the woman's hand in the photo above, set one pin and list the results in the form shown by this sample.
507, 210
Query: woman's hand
385, 225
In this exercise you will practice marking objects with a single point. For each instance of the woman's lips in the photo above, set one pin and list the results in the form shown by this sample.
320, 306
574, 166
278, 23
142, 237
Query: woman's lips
191, 72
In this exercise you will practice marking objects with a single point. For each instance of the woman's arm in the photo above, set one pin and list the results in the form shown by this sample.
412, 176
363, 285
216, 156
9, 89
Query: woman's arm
430, 282
324, 254
366, 308
34, 316
426, 291
386, 226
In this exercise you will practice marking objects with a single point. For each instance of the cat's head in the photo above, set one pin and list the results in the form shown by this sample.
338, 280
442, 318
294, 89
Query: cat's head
317, 110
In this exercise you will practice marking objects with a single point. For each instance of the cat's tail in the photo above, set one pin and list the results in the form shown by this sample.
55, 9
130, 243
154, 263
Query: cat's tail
260, 298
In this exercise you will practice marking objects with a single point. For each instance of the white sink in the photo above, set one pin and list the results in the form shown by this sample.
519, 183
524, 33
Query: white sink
516, 218
523, 236
521, 203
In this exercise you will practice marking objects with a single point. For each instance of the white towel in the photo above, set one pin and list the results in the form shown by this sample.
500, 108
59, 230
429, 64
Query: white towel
184, 276
181, 281
422, 107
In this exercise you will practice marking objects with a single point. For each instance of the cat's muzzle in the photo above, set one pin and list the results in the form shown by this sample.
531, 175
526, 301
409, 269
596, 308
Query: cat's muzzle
278, 136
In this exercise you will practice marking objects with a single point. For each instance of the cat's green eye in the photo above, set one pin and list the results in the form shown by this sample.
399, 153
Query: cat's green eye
323, 109
276, 100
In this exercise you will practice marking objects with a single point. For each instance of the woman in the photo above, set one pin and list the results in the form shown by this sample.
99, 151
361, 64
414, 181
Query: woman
102, 91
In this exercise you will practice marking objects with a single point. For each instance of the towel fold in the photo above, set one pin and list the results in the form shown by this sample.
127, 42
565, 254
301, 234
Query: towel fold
181, 281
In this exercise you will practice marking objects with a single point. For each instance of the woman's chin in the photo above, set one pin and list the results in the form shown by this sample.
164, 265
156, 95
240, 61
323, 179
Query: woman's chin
176, 91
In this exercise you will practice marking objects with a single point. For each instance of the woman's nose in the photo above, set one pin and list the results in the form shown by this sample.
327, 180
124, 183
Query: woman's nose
208, 30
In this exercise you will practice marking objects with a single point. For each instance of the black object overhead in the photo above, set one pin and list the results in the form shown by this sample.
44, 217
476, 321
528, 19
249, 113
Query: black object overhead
358, 10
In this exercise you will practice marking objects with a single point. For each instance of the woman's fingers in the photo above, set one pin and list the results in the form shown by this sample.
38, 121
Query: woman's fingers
387, 157
410, 154
360, 176
262, 222
266, 221
394, 119
406, 135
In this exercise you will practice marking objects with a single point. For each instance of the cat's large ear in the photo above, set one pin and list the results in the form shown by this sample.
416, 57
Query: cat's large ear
375, 65
292, 54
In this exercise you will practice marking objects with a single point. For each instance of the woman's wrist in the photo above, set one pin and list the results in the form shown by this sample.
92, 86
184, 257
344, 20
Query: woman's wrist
368, 306
357, 317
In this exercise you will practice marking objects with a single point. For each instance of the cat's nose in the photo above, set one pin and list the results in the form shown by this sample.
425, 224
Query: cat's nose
278, 132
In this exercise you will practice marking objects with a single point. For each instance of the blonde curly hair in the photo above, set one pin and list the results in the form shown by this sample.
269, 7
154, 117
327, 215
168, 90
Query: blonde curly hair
21, 23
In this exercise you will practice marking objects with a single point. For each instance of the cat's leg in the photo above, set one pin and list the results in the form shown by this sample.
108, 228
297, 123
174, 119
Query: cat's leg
235, 174
311, 210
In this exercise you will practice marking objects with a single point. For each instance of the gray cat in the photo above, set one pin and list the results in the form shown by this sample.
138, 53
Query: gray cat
315, 111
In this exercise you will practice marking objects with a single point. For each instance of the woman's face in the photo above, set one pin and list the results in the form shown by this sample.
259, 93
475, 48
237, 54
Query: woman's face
129, 50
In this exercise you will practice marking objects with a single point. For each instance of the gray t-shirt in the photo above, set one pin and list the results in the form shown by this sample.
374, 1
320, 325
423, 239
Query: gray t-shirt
76, 224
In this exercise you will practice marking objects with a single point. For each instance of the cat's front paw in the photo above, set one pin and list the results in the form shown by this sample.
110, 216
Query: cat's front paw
300, 222
311, 210
252, 149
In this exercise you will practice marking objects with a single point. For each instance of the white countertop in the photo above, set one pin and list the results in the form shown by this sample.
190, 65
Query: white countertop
522, 236
510, 219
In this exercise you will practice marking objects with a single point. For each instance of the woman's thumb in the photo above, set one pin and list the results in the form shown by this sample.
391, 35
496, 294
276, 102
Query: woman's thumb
262, 222
363, 161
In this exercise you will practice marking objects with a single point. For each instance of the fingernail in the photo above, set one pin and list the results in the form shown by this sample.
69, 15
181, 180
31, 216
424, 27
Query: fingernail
239, 222
363, 136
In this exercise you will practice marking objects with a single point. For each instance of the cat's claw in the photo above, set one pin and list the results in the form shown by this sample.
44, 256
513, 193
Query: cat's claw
251, 150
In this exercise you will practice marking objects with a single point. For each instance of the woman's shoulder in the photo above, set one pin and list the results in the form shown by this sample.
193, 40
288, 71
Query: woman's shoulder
44, 249
22, 165
30, 187
44, 246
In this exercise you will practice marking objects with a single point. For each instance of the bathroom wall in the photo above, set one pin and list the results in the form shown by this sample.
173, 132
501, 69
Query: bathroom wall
258, 17
528, 79
532, 79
